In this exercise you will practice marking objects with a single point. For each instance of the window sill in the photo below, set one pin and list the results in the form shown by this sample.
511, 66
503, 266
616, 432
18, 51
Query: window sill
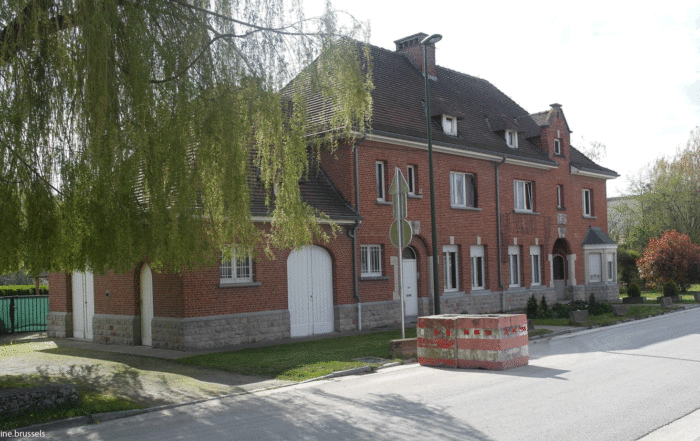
415, 196
526, 212
459, 207
589, 217
383, 202
561, 208
238, 284
373, 278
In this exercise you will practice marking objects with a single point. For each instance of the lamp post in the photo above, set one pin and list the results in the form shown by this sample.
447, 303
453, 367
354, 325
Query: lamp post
436, 283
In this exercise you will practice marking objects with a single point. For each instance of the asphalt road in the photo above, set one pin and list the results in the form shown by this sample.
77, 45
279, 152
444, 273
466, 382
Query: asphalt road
616, 383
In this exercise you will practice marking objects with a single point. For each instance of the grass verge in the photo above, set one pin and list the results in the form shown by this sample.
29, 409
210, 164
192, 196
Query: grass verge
303, 360
91, 402
634, 312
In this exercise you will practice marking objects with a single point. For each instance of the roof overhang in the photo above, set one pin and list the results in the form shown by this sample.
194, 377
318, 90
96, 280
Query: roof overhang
592, 173
266, 219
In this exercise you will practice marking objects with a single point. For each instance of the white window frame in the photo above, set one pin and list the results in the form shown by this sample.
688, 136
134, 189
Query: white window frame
411, 179
610, 267
523, 200
536, 265
235, 269
450, 258
513, 266
478, 261
454, 185
512, 139
586, 201
560, 196
557, 146
452, 129
379, 173
371, 260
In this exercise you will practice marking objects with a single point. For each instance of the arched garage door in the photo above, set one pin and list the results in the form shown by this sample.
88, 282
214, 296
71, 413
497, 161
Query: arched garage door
83, 304
310, 291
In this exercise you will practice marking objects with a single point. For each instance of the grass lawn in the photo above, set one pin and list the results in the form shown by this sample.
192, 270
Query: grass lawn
303, 360
686, 297
635, 312
91, 402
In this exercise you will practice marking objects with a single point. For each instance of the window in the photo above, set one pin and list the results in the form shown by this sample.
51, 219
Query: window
449, 254
411, 179
381, 195
560, 196
587, 206
478, 273
557, 147
371, 260
594, 268
523, 195
462, 190
449, 124
514, 265
512, 138
536, 261
238, 269
611, 267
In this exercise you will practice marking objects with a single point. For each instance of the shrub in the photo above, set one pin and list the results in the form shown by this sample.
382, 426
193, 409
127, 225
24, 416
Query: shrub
634, 291
670, 257
561, 310
670, 288
544, 309
22, 290
531, 307
627, 271
592, 305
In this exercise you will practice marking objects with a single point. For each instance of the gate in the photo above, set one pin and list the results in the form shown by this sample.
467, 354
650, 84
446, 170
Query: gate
23, 314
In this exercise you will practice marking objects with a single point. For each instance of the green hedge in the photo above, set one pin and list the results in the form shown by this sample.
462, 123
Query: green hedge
22, 290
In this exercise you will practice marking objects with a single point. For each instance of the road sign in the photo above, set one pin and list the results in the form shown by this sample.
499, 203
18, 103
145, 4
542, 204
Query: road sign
399, 190
405, 239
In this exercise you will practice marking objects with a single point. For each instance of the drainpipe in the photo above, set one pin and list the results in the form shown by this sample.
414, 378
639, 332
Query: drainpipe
498, 235
353, 235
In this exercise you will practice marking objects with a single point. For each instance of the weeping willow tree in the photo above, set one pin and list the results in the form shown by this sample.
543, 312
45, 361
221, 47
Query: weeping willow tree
128, 128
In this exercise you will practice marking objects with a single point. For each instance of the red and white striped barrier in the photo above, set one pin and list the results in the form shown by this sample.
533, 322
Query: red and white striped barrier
490, 341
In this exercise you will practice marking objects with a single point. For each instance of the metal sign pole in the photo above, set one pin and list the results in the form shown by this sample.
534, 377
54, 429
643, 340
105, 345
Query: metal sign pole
400, 248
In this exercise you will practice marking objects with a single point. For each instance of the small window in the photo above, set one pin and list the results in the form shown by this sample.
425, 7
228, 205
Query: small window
560, 196
514, 265
478, 271
536, 260
523, 195
587, 206
462, 190
451, 265
381, 194
557, 147
238, 269
411, 179
512, 139
371, 260
449, 124
612, 273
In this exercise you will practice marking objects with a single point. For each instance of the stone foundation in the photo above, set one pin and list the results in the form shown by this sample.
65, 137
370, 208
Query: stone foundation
112, 329
59, 324
168, 333
482, 302
608, 293
13, 401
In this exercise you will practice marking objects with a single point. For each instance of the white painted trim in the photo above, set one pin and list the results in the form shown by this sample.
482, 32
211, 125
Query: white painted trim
577, 171
424, 146
320, 221
530, 164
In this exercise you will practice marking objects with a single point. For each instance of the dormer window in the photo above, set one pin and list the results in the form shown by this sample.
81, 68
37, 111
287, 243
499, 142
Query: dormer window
557, 147
512, 139
449, 125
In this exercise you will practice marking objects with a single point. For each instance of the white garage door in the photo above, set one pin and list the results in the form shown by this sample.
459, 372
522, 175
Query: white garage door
310, 291
83, 304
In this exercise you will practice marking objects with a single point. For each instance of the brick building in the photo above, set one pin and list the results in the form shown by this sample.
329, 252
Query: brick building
519, 212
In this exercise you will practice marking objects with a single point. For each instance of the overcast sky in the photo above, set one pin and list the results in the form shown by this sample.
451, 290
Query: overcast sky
627, 77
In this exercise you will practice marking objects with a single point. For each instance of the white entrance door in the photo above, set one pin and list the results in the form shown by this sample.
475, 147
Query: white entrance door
310, 291
559, 269
410, 282
83, 304
146, 305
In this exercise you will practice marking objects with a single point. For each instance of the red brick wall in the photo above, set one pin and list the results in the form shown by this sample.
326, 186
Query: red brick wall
60, 292
168, 299
122, 299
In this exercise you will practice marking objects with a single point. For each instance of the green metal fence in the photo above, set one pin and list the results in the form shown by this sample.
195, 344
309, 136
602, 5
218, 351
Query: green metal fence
23, 313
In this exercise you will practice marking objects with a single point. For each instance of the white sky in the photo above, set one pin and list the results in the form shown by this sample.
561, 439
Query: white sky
627, 76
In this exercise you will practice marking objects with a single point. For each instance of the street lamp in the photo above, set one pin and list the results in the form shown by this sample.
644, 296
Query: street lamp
436, 283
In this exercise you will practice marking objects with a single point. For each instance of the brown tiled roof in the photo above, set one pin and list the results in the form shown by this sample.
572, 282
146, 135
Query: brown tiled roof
317, 190
582, 162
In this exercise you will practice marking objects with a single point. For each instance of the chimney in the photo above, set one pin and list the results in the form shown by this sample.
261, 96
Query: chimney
411, 48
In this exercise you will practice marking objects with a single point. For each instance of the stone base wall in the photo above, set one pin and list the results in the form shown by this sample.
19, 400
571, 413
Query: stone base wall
381, 314
59, 324
112, 329
490, 302
168, 333
609, 293
345, 317
14, 401
221, 330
